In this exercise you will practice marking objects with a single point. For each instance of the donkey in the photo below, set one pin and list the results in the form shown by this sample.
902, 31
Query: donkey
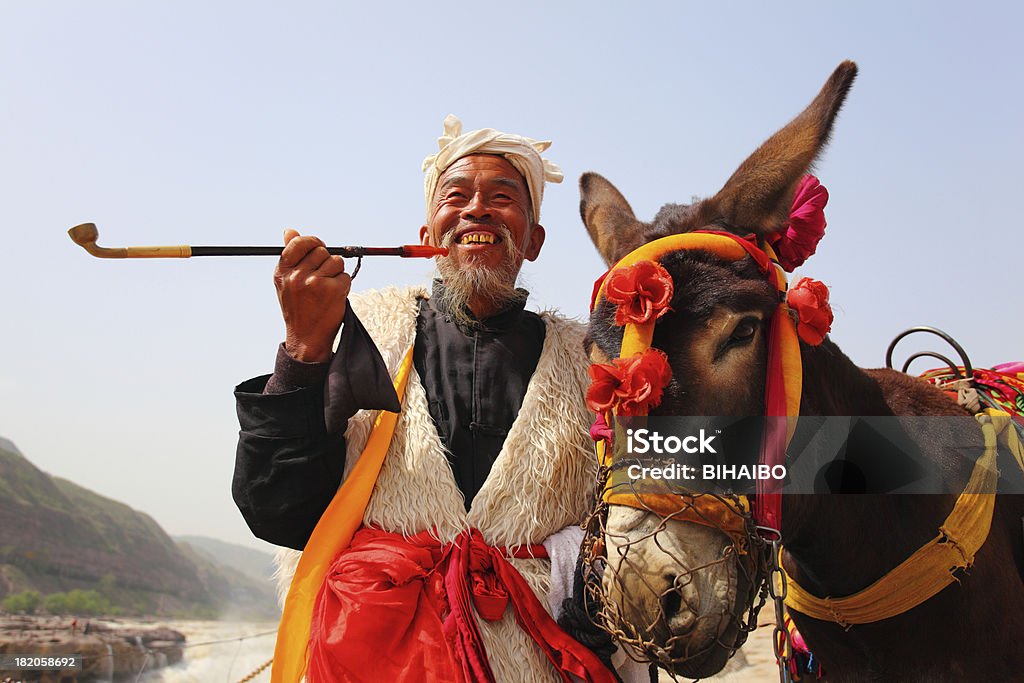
671, 583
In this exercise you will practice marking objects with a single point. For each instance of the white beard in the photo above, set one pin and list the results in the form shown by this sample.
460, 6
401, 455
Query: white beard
496, 285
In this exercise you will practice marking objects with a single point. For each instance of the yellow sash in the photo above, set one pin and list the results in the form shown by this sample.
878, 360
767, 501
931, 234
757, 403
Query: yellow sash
332, 534
934, 565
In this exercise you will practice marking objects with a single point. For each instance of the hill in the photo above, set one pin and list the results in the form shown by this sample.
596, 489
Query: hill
57, 537
256, 564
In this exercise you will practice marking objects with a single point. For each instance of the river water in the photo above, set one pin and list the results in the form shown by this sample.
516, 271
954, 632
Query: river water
218, 651
228, 651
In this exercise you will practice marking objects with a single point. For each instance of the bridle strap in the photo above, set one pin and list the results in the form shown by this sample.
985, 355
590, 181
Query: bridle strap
727, 515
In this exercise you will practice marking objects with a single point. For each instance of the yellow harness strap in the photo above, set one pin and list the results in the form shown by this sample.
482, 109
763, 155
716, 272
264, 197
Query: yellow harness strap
931, 568
332, 534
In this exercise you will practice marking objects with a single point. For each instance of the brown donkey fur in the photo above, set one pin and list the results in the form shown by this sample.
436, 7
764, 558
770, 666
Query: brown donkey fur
835, 544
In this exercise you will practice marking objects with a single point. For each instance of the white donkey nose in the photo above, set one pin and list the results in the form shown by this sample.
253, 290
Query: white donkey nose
680, 603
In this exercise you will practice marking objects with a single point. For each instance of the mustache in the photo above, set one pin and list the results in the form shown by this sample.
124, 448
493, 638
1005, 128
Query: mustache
500, 229
512, 250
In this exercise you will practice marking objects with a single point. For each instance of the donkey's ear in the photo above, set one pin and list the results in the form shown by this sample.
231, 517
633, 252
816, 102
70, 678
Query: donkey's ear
758, 195
613, 228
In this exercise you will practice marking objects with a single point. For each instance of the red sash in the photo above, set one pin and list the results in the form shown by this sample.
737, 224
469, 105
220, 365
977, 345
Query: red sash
398, 609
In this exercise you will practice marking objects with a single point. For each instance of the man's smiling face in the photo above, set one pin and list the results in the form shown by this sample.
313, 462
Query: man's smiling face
475, 197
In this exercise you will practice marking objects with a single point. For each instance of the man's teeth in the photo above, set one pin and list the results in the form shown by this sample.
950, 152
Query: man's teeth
478, 238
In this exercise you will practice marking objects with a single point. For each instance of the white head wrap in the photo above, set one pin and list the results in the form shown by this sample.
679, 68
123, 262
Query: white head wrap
523, 153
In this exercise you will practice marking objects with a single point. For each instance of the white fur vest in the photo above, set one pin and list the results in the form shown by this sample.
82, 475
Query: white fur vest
541, 481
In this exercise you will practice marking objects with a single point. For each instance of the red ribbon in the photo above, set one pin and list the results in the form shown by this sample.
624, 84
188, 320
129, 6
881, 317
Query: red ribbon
400, 610
768, 498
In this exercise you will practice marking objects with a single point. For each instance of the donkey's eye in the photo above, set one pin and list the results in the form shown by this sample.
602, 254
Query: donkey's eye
744, 332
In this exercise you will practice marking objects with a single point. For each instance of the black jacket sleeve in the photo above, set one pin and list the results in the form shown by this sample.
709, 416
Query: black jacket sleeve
287, 466
291, 447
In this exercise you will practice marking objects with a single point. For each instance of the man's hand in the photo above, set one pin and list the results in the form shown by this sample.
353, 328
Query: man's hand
312, 287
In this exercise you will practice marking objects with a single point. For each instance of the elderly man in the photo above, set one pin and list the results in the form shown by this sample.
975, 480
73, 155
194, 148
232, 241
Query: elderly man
446, 576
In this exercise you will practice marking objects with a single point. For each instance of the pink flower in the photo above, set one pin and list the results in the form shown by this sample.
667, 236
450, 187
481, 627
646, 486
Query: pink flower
799, 239
642, 292
809, 298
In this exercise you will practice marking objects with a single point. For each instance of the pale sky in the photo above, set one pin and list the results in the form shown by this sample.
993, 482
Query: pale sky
224, 123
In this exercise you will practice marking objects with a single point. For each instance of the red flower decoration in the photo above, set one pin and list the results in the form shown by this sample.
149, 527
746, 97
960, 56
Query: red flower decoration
642, 292
629, 386
809, 298
798, 240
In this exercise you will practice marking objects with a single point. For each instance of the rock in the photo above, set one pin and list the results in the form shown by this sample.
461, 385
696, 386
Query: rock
172, 652
108, 650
